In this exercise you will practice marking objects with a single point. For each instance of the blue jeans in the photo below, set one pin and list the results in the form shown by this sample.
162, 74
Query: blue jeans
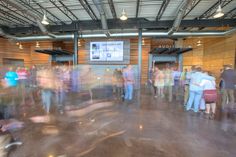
128, 91
194, 98
46, 98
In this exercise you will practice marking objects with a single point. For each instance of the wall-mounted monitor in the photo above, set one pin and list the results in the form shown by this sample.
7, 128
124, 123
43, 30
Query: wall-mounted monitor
107, 51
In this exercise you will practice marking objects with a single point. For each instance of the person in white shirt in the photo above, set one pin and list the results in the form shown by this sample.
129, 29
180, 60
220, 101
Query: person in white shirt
210, 106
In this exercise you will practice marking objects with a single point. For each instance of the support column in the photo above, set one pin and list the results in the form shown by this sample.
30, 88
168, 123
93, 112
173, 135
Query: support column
180, 61
140, 57
75, 56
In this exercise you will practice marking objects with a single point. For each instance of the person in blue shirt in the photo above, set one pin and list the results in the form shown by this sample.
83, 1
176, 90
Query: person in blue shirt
195, 90
11, 78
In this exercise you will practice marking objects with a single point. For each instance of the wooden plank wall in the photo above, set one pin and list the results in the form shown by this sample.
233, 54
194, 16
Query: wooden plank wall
39, 58
212, 55
9, 49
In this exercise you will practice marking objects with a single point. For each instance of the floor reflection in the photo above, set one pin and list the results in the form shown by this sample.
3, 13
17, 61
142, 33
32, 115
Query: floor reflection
106, 126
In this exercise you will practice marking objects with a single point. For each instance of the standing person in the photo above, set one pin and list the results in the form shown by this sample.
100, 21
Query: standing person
128, 76
169, 82
195, 89
119, 83
159, 82
155, 80
229, 78
209, 96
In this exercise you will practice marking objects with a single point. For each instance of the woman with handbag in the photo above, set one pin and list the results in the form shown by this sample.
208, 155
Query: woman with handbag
209, 96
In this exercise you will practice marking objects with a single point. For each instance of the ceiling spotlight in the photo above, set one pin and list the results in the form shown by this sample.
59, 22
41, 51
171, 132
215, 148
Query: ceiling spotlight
79, 43
199, 42
37, 45
123, 16
17, 43
219, 13
45, 20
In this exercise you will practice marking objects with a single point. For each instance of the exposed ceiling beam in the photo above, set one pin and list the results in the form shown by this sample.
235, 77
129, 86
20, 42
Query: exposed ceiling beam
129, 24
41, 7
137, 8
162, 9
208, 13
68, 10
10, 15
52, 1
230, 14
194, 4
35, 10
88, 9
15, 12
112, 7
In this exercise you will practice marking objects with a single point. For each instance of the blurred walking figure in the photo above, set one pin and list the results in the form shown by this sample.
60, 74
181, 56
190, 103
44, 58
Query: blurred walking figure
229, 78
169, 82
159, 82
46, 81
128, 75
118, 82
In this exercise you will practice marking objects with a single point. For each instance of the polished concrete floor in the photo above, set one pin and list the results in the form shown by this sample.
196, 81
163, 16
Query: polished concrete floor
108, 127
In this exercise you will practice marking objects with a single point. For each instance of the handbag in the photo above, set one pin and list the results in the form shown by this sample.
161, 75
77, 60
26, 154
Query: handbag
210, 96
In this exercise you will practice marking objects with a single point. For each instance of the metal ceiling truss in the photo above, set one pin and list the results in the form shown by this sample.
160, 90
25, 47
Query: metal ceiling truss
27, 4
213, 8
193, 5
65, 13
162, 9
231, 14
88, 9
47, 11
112, 7
68, 10
129, 24
6, 6
137, 8
10, 15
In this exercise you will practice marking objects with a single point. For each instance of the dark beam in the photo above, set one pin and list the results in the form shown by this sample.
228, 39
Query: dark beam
112, 7
68, 10
162, 9
35, 10
130, 23
15, 12
60, 10
7, 14
194, 4
173, 50
137, 8
163, 50
230, 14
184, 50
88, 9
48, 11
213, 8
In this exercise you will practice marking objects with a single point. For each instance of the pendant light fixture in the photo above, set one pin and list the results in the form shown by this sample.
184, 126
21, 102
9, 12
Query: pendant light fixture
37, 45
45, 20
123, 16
20, 46
219, 13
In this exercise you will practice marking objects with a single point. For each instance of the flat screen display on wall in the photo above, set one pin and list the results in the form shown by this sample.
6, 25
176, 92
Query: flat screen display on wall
107, 51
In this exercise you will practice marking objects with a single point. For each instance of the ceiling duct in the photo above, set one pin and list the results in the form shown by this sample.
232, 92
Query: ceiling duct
37, 19
100, 7
181, 11
131, 34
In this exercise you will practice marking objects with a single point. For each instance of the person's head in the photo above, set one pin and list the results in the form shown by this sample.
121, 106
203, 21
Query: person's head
193, 68
198, 69
228, 66
156, 68
129, 66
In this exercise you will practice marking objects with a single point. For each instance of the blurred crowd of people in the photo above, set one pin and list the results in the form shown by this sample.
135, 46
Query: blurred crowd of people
52, 85
196, 88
